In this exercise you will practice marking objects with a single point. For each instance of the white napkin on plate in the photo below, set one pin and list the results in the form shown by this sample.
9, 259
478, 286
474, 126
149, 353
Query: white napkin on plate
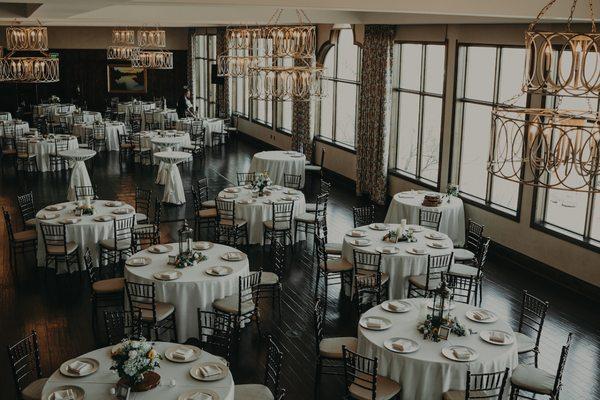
183, 353
374, 323
481, 315
209, 370
418, 250
356, 233
200, 396
219, 270
71, 220
168, 275
79, 367
438, 245
159, 248
234, 256
202, 245
66, 394
400, 345
461, 353
388, 249
137, 261
361, 242
497, 337
396, 305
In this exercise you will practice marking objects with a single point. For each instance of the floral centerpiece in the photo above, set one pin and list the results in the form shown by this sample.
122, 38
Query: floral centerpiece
398, 235
430, 330
440, 319
135, 361
84, 209
261, 181
451, 190
188, 259
54, 99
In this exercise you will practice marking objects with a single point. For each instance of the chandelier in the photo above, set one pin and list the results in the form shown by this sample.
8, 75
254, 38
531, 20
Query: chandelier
156, 38
123, 45
545, 147
280, 83
42, 68
152, 59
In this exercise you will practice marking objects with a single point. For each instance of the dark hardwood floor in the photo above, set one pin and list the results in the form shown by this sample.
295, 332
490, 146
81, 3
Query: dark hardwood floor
59, 308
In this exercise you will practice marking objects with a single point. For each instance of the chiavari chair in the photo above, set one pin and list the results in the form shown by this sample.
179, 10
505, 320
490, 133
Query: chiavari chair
150, 122
462, 287
83, 192
141, 153
202, 190
314, 168
197, 138
157, 317
57, 248
369, 280
324, 187
473, 239
121, 324
332, 270
362, 380
488, 386
216, 332
531, 322
270, 284
331, 248
25, 160
230, 230
279, 227
203, 217
148, 234
56, 160
246, 178
292, 181
422, 285
99, 130
24, 357
27, 209
307, 222
19, 243
363, 215
475, 270
430, 219
142, 204
125, 145
121, 244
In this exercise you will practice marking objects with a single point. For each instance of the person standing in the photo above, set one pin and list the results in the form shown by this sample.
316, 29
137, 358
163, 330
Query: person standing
185, 107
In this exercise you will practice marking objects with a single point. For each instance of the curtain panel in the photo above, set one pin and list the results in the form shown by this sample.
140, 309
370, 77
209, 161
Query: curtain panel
222, 92
301, 122
373, 134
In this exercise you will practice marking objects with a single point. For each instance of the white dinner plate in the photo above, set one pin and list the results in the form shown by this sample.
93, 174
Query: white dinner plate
55, 207
160, 250
438, 245
448, 352
187, 395
486, 336
360, 242
200, 246
228, 196
405, 304
435, 236
448, 305
65, 371
246, 201
196, 374
229, 256
77, 391
289, 198
415, 228
113, 203
123, 211
412, 251
492, 317
49, 216
157, 275
132, 262
231, 190
357, 233
226, 270
104, 218
378, 226
390, 249
169, 353
385, 323
410, 345
69, 221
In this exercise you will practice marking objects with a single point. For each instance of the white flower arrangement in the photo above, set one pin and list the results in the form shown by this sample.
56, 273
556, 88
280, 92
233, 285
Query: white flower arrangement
54, 99
261, 181
133, 358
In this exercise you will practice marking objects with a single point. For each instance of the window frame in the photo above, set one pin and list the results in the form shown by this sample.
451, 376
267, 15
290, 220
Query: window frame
457, 137
209, 101
422, 93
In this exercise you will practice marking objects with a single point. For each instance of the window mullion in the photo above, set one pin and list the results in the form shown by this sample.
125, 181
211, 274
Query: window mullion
490, 180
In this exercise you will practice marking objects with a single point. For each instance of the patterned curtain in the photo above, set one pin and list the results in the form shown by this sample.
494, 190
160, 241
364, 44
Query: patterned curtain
190, 55
372, 136
222, 90
301, 120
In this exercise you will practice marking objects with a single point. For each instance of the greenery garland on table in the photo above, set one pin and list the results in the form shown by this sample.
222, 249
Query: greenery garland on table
431, 330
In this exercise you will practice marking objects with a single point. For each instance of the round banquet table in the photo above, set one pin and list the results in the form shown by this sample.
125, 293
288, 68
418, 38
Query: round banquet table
99, 384
89, 117
406, 205
401, 265
21, 127
86, 233
256, 211
44, 147
277, 163
173, 193
129, 107
161, 116
112, 130
5, 116
164, 140
426, 373
79, 174
210, 125
195, 288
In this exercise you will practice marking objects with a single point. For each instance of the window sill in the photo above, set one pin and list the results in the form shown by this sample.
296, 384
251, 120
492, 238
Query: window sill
338, 145
242, 116
283, 131
262, 123
400, 174
565, 235
474, 201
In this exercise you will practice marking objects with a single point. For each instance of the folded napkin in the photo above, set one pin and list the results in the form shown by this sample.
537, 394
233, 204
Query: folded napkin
246, 201
79, 367
418, 250
183, 353
400, 345
168, 275
437, 245
361, 242
234, 256
497, 337
436, 235
200, 396
54, 208
380, 226
47, 216
159, 248
357, 233
219, 270
66, 394
374, 323
209, 370
461, 353
388, 249
481, 315
201, 245
137, 261
70, 220
232, 190
396, 305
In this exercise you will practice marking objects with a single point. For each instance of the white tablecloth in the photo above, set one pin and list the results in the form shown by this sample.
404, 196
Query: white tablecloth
5, 116
406, 205
174, 192
401, 265
79, 174
128, 107
50, 109
161, 116
260, 210
112, 131
44, 147
277, 163
426, 373
97, 385
164, 140
86, 233
210, 125
195, 289
21, 127
89, 117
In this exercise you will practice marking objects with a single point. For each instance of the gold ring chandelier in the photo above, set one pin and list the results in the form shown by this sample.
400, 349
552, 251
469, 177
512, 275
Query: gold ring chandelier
123, 45
552, 148
154, 38
42, 68
152, 59
298, 83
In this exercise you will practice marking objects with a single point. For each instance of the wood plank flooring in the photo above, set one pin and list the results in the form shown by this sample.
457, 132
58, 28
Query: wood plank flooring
59, 308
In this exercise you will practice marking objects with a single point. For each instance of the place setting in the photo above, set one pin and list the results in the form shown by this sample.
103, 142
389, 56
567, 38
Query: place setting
375, 323
396, 306
138, 261
378, 226
209, 371
219, 270
460, 353
67, 392
417, 251
499, 338
182, 353
79, 367
387, 249
202, 245
233, 256
104, 218
167, 275
199, 394
69, 221
160, 248
481, 315
357, 233
401, 345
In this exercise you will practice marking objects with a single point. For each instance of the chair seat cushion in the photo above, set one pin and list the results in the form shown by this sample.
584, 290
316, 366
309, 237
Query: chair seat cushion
230, 305
312, 168
9, 152
139, 217
27, 235
533, 379
386, 389
463, 255
420, 281
207, 213
71, 247
237, 222
332, 347
163, 310
252, 392
306, 217
524, 342
463, 269
25, 155
311, 207
110, 244
209, 204
31, 222
33, 391
104, 286
126, 145
333, 248
268, 278
141, 149
339, 265
279, 226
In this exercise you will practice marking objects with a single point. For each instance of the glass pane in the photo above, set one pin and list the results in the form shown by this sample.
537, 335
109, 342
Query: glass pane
410, 66
480, 73
286, 115
329, 63
505, 193
596, 218
432, 126
566, 209
327, 110
511, 76
408, 130
396, 65
474, 149
434, 68
269, 112
345, 113
347, 56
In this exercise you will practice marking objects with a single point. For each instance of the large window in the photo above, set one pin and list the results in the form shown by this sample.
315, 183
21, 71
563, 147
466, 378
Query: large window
338, 111
205, 56
418, 87
284, 108
486, 76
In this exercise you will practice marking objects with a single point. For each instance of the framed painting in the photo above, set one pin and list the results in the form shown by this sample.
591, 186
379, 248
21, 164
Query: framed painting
126, 79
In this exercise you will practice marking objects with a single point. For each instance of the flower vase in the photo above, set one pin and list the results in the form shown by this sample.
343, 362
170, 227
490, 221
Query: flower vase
261, 192
149, 381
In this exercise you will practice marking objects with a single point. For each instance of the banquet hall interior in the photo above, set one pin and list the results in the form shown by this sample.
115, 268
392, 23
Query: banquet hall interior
265, 200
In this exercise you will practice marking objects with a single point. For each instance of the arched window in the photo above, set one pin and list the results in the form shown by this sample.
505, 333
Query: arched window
337, 116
